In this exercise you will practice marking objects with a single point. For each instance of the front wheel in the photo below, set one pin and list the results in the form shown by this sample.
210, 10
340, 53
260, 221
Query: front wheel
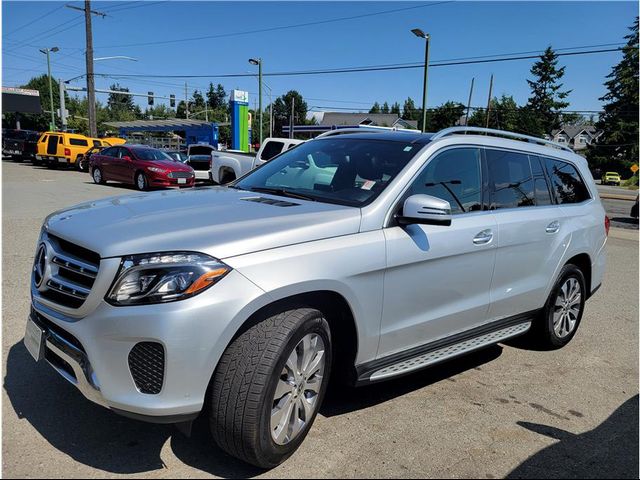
141, 182
269, 385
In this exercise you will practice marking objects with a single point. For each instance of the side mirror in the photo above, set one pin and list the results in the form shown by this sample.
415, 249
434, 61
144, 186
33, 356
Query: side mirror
425, 209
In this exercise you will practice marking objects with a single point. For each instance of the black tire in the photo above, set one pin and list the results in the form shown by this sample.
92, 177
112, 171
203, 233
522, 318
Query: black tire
98, 177
227, 177
141, 181
244, 385
544, 334
81, 164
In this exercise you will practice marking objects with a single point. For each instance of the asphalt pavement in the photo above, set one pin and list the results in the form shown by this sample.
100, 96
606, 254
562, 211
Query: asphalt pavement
506, 411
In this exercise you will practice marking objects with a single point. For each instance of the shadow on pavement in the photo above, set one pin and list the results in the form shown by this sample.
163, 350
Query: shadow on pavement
97, 437
608, 451
627, 220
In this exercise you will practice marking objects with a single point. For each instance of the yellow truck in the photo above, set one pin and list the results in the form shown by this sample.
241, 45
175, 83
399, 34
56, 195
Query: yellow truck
68, 149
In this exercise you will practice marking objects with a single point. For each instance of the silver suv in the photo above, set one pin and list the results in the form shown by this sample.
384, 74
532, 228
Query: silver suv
361, 257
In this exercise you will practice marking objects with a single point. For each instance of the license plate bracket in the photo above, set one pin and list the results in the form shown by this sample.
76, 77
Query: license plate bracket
182, 181
34, 340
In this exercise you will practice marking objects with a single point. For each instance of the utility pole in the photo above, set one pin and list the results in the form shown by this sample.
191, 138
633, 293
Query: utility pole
91, 86
46, 51
466, 120
63, 113
292, 120
489, 101
186, 101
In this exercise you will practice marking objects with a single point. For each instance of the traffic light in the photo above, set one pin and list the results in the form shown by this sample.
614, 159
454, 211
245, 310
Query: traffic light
172, 101
150, 98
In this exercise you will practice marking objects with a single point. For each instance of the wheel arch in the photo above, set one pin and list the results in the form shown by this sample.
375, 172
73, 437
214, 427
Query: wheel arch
339, 315
583, 262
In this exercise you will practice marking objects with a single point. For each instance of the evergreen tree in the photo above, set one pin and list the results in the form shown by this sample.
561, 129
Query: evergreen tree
618, 146
216, 97
282, 111
444, 116
385, 108
547, 98
120, 105
395, 108
375, 108
409, 110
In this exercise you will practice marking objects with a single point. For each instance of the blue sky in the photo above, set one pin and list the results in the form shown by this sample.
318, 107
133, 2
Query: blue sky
458, 29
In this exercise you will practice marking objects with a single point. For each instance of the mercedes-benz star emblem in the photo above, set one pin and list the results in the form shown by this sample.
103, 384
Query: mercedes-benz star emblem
40, 264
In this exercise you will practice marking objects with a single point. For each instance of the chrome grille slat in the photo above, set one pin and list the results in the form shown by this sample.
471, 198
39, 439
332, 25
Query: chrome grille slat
75, 265
180, 175
68, 288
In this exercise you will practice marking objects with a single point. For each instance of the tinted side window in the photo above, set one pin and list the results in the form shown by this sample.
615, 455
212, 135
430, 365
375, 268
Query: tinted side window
97, 143
541, 187
109, 152
510, 179
78, 142
454, 176
566, 182
271, 149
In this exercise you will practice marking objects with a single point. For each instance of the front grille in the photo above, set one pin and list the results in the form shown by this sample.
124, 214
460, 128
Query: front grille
60, 332
180, 175
73, 272
146, 363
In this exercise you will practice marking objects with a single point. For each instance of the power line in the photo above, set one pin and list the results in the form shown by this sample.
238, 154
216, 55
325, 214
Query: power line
40, 17
272, 29
359, 69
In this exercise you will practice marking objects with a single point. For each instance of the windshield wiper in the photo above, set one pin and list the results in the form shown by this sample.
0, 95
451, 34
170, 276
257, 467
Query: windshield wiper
284, 193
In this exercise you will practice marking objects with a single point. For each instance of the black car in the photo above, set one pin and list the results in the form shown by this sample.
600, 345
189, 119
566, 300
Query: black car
634, 209
19, 145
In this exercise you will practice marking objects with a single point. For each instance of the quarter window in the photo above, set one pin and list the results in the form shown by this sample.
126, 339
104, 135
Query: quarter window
510, 179
454, 176
566, 182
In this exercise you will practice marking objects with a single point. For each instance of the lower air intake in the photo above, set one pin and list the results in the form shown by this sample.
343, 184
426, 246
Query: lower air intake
146, 362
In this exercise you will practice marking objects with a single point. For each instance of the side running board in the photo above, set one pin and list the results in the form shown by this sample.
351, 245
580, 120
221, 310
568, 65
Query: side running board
445, 349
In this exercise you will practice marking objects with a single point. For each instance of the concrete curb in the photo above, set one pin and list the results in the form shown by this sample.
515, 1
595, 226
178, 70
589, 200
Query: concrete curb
624, 234
614, 196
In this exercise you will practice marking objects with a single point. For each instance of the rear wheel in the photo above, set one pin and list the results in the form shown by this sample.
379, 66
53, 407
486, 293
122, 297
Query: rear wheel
563, 311
269, 385
97, 176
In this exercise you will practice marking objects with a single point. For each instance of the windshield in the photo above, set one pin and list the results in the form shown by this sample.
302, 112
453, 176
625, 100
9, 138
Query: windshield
150, 154
347, 171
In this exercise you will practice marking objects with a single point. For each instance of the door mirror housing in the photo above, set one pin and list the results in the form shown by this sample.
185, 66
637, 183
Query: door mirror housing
426, 210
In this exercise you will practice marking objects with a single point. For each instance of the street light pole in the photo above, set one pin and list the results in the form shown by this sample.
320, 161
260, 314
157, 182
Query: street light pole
52, 124
258, 62
419, 33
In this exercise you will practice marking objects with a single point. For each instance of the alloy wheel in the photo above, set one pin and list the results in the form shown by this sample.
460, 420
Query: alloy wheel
296, 397
566, 310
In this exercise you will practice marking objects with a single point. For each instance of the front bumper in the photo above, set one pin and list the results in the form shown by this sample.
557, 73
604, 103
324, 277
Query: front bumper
92, 352
161, 181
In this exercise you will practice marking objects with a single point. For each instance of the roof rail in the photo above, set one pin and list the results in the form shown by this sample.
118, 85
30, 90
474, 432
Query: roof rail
366, 128
499, 133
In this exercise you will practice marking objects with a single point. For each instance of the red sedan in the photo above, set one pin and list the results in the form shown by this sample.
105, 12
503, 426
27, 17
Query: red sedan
142, 166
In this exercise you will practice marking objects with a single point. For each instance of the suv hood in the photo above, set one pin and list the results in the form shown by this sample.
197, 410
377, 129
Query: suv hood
218, 221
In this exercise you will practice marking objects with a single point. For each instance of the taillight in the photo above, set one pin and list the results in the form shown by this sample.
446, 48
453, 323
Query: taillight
607, 225
67, 152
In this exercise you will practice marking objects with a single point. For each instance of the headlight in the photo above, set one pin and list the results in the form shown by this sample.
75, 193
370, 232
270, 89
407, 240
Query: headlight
164, 277
157, 170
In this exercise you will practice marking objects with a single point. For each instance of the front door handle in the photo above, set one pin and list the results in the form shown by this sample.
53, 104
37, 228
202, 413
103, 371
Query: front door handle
484, 237
553, 227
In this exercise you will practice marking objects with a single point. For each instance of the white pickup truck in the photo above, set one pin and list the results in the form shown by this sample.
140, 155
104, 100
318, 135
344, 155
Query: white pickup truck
228, 165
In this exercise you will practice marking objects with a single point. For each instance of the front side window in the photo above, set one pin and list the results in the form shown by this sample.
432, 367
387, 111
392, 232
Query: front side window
566, 182
110, 152
342, 170
454, 176
510, 179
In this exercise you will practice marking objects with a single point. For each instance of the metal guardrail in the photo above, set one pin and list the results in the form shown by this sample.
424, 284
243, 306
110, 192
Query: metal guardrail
499, 133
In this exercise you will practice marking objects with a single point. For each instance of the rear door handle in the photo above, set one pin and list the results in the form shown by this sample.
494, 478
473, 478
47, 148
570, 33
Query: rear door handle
553, 227
484, 237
